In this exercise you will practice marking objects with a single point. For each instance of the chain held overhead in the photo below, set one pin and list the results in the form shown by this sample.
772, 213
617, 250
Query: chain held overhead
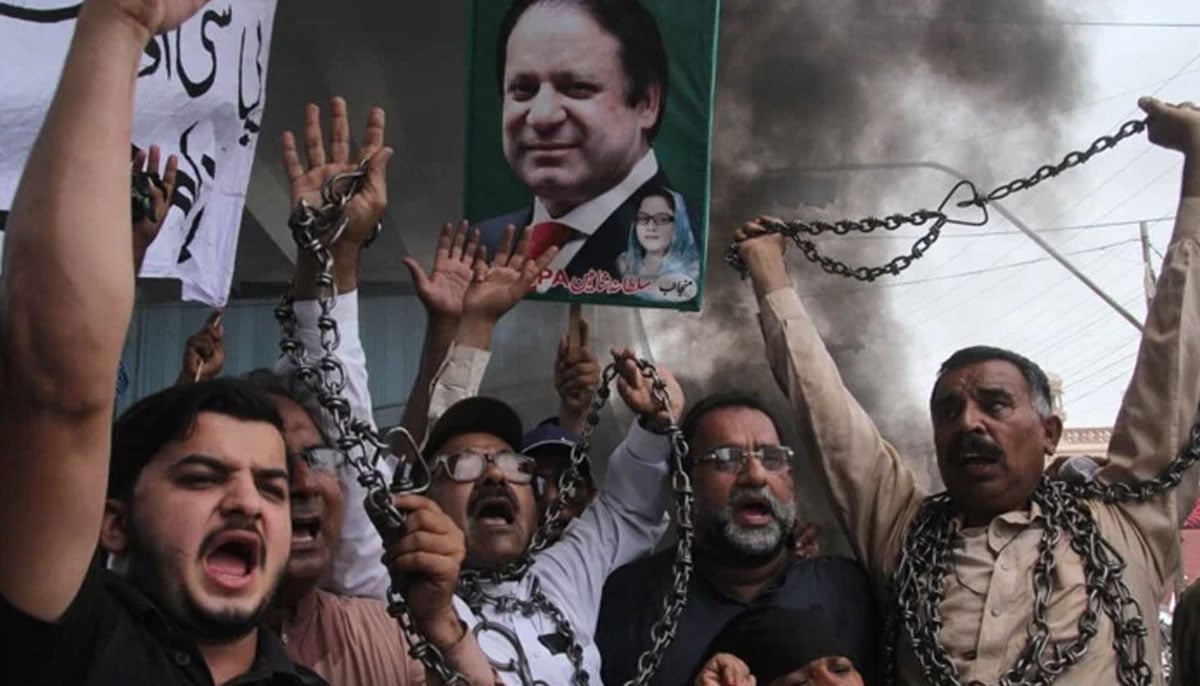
315, 229
937, 219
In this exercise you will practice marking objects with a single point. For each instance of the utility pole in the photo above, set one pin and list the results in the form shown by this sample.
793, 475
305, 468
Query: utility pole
1148, 276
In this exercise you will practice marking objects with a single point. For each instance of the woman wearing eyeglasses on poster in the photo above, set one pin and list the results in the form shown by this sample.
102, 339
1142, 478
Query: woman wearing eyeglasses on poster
662, 247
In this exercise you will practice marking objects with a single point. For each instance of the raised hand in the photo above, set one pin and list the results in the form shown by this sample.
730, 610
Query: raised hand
424, 563
441, 290
499, 286
1176, 127
151, 16
146, 229
366, 207
754, 240
637, 392
204, 353
762, 251
576, 377
724, 669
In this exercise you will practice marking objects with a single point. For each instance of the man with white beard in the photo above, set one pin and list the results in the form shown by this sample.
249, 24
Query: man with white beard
744, 514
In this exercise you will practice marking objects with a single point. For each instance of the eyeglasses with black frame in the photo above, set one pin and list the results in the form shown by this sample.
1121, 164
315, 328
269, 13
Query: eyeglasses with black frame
469, 465
660, 220
322, 459
732, 458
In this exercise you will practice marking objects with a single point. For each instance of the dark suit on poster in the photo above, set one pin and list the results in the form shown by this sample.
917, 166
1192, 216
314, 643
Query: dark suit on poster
601, 249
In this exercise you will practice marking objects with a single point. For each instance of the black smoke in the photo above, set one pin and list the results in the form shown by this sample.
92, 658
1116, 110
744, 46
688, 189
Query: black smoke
817, 83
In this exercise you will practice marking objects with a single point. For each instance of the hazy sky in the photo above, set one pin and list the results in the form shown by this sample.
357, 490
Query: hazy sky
996, 286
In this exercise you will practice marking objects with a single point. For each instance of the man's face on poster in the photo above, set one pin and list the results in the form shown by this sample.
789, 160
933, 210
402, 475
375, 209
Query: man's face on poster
570, 132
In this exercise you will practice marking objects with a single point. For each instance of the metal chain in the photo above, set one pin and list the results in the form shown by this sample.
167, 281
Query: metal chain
314, 230
570, 481
940, 217
476, 598
924, 563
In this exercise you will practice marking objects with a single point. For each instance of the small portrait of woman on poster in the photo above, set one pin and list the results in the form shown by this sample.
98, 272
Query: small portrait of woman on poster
662, 246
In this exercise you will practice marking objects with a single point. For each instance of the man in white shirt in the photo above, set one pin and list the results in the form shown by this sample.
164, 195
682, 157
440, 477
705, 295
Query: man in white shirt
584, 87
490, 491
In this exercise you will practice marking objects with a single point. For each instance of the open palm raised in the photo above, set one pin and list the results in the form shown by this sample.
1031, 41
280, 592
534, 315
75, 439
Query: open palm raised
498, 287
366, 207
443, 288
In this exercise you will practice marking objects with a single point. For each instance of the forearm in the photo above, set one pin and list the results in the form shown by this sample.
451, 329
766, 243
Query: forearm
1191, 172
439, 335
475, 331
1161, 400
308, 269
872, 490
69, 268
622, 524
1159, 406
69, 295
768, 272
460, 650
458, 378
571, 419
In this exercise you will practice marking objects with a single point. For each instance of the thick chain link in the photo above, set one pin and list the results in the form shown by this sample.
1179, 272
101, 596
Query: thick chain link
924, 564
795, 230
570, 482
314, 230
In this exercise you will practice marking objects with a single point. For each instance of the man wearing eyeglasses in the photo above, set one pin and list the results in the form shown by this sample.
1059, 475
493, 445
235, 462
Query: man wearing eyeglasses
345, 639
331, 612
744, 514
490, 491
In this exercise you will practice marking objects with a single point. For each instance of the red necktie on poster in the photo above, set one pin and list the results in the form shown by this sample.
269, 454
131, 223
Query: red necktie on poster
546, 235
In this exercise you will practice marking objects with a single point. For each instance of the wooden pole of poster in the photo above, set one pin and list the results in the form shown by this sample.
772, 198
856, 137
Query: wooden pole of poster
575, 329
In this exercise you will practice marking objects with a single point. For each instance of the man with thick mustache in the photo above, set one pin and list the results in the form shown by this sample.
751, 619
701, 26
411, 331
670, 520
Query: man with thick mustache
745, 509
993, 427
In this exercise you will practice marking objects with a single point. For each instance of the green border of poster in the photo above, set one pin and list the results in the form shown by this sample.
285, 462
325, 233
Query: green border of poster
690, 31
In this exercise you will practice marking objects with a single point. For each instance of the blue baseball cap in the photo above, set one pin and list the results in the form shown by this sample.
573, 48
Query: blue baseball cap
549, 433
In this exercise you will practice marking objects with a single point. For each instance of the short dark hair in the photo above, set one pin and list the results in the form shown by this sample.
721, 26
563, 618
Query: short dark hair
720, 401
1039, 383
142, 430
643, 53
282, 385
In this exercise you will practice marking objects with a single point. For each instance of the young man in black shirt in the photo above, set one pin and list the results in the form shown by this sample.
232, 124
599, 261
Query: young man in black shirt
196, 513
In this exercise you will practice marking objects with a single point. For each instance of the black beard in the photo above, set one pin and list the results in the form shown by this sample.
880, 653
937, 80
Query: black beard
147, 573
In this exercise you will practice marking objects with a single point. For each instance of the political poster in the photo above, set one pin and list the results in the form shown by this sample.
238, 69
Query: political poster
589, 127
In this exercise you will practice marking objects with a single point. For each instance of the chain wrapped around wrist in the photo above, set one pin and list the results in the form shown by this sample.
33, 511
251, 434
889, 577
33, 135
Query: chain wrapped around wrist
315, 230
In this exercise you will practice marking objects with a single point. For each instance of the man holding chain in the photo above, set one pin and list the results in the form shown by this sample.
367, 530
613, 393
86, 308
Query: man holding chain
1010, 578
553, 643
488, 490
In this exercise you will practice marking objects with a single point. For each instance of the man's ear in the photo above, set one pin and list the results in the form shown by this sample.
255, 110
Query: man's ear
114, 528
649, 106
1052, 428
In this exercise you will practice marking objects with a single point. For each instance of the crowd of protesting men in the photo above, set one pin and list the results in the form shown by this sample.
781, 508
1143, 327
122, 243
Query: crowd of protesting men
230, 544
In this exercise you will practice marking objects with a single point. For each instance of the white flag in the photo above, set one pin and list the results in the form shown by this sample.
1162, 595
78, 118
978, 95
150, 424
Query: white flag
200, 95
